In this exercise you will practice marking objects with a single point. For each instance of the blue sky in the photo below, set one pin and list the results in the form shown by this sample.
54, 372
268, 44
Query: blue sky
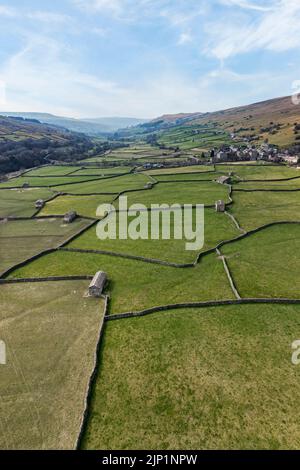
144, 58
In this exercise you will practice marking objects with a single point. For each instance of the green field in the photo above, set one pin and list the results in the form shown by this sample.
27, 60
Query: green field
21, 202
21, 239
50, 330
217, 227
135, 285
83, 205
266, 264
253, 209
198, 378
204, 192
218, 378
107, 185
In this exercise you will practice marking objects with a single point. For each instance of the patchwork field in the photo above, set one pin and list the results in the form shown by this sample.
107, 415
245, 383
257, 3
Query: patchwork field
50, 331
217, 227
135, 285
208, 378
204, 192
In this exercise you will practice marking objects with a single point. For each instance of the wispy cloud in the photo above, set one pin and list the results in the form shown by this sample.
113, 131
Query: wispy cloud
249, 5
7, 11
275, 30
48, 17
184, 38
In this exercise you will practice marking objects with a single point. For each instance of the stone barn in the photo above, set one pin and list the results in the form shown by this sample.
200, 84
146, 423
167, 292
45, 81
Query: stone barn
39, 204
224, 180
148, 185
97, 285
220, 206
69, 217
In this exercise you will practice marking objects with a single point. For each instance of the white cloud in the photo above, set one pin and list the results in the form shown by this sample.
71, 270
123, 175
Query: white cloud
112, 6
48, 17
184, 38
7, 11
275, 30
249, 5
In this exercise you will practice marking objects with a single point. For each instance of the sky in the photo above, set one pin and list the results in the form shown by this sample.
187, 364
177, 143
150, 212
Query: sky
145, 58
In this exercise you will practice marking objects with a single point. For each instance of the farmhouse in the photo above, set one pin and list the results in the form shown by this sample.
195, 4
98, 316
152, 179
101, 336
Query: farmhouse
39, 204
69, 217
97, 284
220, 206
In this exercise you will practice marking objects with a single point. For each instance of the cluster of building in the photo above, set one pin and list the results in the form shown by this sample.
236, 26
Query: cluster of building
265, 152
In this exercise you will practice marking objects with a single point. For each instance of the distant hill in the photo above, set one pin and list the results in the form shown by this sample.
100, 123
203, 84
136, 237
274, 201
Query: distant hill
92, 126
25, 143
177, 118
115, 123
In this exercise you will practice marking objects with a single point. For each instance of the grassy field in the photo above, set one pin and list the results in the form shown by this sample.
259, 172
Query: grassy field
50, 331
20, 240
192, 193
217, 227
218, 378
103, 171
253, 209
21, 203
256, 172
182, 169
187, 176
135, 285
83, 205
51, 170
45, 181
109, 185
266, 264
279, 185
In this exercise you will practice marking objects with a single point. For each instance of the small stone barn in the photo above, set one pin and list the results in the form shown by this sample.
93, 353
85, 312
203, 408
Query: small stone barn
224, 180
69, 217
97, 285
25, 185
220, 206
39, 204
148, 185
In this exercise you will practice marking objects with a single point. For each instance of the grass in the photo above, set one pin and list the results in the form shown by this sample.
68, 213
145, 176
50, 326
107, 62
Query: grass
217, 227
256, 172
83, 205
135, 285
266, 264
45, 181
21, 203
187, 177
218, 378
182, 169
282, 185
50, 330
253, 209
109, 185
20, 240
192, 193
51, 170
103, 171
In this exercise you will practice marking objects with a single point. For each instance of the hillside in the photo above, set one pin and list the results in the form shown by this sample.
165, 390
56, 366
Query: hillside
276, 121
27, 143
89, 126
